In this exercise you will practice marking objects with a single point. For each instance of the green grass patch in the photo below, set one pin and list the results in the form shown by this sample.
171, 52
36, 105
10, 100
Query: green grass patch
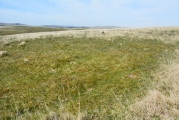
103, 76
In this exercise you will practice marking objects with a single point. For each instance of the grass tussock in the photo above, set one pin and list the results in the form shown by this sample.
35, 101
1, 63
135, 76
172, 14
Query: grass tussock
80, 78
162, 102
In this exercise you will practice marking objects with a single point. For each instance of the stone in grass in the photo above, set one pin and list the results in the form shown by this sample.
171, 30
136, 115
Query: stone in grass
22, 43
3, 53
26, 60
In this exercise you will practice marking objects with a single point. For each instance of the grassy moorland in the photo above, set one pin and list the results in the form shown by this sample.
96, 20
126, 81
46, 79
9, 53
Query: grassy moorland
10, 30
78, 78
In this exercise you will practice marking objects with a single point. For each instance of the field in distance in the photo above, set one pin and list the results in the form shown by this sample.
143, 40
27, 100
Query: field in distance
9, 30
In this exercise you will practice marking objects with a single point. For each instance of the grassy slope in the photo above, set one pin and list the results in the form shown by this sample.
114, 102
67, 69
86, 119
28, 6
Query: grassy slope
77, 74
26, 29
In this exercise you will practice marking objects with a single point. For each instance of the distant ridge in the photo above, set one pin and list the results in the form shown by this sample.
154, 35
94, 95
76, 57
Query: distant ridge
63, 26
70, 26
60, 26
10, 24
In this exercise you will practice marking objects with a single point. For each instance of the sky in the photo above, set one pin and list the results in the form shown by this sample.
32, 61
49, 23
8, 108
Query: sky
122, 13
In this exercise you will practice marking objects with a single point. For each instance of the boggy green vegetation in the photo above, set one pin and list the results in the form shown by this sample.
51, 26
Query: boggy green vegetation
93, 76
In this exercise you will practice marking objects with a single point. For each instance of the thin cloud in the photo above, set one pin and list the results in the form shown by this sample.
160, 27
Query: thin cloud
127, 13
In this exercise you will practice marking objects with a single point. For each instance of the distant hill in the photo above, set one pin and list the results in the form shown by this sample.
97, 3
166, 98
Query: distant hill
106, 27
59, 26
10, 24
63, 26
70, 26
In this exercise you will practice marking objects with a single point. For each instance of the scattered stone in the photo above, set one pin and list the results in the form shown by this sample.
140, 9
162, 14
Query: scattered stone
22, 43
3, 53
52, 71
90, 90
132, 76
26, 60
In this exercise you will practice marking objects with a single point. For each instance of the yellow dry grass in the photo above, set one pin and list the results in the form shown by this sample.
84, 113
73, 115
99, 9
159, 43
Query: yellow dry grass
166, 34
163, 101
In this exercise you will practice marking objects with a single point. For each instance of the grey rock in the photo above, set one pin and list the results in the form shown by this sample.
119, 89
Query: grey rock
3, 53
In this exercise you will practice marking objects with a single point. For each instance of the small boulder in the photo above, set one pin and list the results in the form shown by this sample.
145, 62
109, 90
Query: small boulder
26, 60
22, 43
3, 53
